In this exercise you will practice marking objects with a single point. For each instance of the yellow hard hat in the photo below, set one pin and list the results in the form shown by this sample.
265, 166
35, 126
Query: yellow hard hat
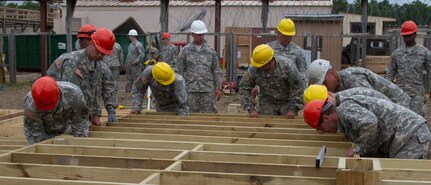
286, 27
315, 92
163, 73
262, 54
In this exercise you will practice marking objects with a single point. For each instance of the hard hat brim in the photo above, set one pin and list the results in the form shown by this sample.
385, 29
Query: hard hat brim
169, 82
200, 32
407, 33
285, 33
258, 65
103, 50
83, 35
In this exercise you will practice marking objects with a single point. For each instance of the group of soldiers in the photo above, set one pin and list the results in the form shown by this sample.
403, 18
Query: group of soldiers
383, 117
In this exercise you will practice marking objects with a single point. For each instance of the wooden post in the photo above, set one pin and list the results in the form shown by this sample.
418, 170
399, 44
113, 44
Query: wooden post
359, 172
2, 73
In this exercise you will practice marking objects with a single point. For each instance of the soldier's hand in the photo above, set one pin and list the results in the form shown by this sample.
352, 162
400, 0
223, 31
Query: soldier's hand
96, 121
350, 152
290, 115
57, 64
218, 94
254, 93
78, 73
253, 114
135, 112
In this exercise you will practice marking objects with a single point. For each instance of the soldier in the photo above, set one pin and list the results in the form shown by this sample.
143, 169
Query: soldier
199, 65
168, 88
84, 36
284, 46
168, 52
94, 78
115, 63
280, 85
319, 92
407, 66
321, 72
374, 126
54, 108
134, 55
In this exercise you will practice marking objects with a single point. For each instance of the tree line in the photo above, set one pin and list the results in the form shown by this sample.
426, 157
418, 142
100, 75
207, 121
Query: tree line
416, 10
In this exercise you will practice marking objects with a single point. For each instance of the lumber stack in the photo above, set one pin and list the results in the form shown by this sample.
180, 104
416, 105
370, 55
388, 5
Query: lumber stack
164, 149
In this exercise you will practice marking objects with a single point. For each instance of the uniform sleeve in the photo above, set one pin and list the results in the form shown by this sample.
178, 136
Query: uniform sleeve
181, 64
362, 125
246, 84
64, 71
120, 55
428, 67
80, 122
216, 71
391, 70
298, 87
108, 90
181, 96
174, 56
302, 68
34, 130
139, 90
141, 54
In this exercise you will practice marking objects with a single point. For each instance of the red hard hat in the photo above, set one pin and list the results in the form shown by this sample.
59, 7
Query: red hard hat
312, 112
45, 93
86, 31
104, 40
408, 27
166, 35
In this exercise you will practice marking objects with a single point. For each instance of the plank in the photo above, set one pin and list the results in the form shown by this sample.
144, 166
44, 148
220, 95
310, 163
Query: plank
33, 181
217, 139
216, 118
178, 131
81, 173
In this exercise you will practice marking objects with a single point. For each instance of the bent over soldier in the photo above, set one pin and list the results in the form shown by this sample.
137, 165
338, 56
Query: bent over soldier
54, 108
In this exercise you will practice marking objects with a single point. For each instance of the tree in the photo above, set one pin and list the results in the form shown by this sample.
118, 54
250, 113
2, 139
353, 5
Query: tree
28, 4
340, 6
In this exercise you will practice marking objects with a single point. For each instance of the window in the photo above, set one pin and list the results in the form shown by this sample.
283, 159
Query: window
308, 42
355, 27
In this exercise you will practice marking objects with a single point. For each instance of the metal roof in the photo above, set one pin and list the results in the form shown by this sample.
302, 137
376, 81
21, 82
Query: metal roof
117, 3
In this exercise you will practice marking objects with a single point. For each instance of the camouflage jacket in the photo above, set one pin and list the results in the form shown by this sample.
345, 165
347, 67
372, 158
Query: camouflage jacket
116, 59
173, 95
96, 79
360, 77
282, 84
70, 116
342, 95
135, 53
169, 54
200, 69
295, 54
374, 124
407, 68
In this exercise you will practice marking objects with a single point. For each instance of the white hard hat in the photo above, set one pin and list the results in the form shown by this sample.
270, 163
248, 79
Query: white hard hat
317, 71
133, 32
198, 27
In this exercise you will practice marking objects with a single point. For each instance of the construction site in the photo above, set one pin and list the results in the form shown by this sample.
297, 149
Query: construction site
163, 148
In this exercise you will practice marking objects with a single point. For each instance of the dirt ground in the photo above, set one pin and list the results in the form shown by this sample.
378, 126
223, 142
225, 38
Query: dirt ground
12, 96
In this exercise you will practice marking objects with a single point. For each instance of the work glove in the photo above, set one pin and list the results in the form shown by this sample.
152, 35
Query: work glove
111, 116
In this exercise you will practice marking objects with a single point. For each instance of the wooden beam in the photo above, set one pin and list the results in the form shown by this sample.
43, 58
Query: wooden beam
80, 173
216, 118
115, 162
219, 115
32, 181
178, 131
216, 139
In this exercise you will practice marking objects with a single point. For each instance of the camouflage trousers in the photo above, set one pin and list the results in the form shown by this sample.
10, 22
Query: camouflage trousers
418, 105
418, 145
268, 107
132, 73
202, 102
115, 71
166, 108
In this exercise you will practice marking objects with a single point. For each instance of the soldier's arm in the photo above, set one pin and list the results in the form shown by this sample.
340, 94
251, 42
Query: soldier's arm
428, 67
392, 69
120, 56
363, 125
216, 71
298, 87
80, 122
140, 87
141, 54
181, 96
108, 90
34, 130
174, 56
302, 67
246, 84
181, 64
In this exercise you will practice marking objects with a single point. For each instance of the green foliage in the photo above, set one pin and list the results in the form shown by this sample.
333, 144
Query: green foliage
28, 4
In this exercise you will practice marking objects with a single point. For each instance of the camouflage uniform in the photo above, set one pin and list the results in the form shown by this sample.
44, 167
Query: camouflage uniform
407, 67
342, 95
281, 91
96, 79
77, 45
201, 70
115, 63
133, 64
295, 54
168, 98
376, 125
360, 77
70, 116
169, 54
